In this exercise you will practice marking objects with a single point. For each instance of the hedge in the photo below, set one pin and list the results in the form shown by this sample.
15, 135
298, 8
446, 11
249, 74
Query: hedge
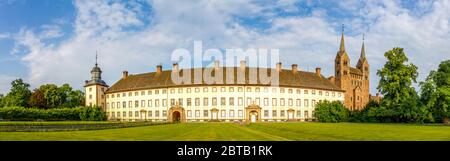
57, 114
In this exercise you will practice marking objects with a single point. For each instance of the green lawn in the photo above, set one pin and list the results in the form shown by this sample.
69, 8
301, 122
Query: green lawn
259, 131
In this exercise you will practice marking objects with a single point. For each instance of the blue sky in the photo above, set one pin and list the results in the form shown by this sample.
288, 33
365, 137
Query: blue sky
49, 41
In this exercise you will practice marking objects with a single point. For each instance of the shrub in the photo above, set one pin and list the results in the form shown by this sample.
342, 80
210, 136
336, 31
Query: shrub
331, 112
57, 114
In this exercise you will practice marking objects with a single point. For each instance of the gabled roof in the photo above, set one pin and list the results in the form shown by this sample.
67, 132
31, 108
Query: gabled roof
355, 71
159, 80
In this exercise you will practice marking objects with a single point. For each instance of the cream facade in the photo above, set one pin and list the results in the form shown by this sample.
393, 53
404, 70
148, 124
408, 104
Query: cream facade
218, 103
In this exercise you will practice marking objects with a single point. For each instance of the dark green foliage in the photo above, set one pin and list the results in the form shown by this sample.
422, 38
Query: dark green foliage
58, 114
331, 112
435, 92
19, 94
37, 99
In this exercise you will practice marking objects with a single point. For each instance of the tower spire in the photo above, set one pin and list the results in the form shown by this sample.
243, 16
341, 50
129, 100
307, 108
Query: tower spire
96, 58
363, 50
342, 47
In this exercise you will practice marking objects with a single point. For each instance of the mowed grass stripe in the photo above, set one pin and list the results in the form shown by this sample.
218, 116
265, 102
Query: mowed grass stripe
258, 131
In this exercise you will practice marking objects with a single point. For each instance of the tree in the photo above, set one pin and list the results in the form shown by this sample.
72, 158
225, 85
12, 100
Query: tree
37, 99
52, 95
435, 92
399, 101
1, 100
19, 94
331, 112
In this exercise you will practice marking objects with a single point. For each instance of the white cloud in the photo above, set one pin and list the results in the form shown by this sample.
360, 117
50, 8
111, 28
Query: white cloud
4, 35
125, 42
5, 83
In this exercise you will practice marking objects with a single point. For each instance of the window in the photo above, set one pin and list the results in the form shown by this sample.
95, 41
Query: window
156, 113
113, 114
136, 113
231, 113
222, 89
136, 93
130, 113
107, 96
231, 101
320, 93
223, 113
266, 113
231, 89
305, 91
90, 89
258, 101
149, 113
274, 113
240, 113
149, 92
189, 113
249, 101
205, 113
156, 92
282, 101
214, 89
130, 94
107, 105
164, 114
274, 102
142, 93
282, 113
197, 101
298, 113
164, 102
222, 101
124, 104
149, 104
266, 101
197, 113
249, 89
274, 90
197, 90
257, 89
290, 91
299, 91
172, 102
290, 102
333, 94
240, 101
205, 101
240, 89
339, 94
118, 114
298, 102
180, 90
188, 90
205, 89
130, 104
313, 92
306, 103
136, 104
157, 103
124, 114
143, 103
118, 95
180, 101
118, 104
90, 96
112, 105
172, 91
281, 90
266, 89
124, 94
214, 101
164, 91
189, 102
306, 114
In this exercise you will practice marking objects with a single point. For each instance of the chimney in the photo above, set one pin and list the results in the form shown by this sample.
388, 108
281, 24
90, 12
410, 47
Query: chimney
318, 71
124, 74
243, 65
175, 67
278, 68
216, 65
294, 68
159, 68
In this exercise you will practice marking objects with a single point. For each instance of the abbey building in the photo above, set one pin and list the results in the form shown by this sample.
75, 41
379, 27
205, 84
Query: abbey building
153, 96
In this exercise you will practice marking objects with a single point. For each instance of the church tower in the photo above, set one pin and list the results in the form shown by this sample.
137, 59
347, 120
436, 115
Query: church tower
342, 70
363, 66
95, 88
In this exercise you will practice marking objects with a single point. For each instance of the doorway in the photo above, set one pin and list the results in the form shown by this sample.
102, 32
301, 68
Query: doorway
176, 116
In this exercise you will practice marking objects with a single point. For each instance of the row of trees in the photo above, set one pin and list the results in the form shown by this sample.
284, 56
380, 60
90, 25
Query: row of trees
401, 102
45, 97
